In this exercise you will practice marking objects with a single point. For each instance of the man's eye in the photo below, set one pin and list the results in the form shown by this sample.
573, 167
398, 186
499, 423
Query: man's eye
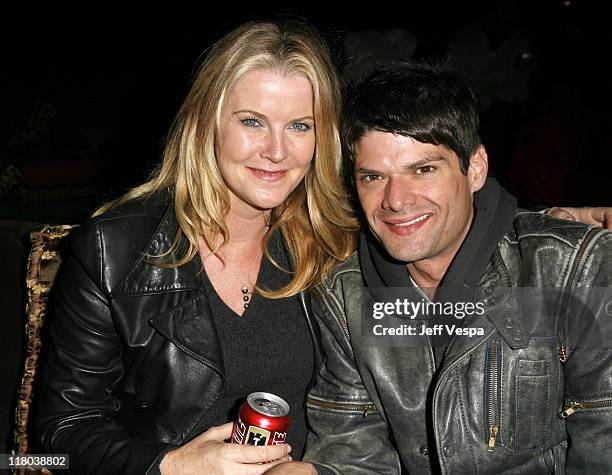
370, 178
425, 169
250, 122
300, 127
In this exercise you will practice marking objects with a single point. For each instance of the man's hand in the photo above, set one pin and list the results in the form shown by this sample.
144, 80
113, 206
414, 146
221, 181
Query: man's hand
209, 453
293, 468
600, 216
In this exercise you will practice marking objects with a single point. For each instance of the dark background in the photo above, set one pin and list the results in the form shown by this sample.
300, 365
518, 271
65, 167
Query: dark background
86, 98
103, 88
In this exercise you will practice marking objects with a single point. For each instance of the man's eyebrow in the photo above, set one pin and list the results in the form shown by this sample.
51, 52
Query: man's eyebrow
424, 161
366, 171
413, 166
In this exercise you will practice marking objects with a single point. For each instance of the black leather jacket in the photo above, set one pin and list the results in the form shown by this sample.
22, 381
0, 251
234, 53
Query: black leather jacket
132, 366
541, 358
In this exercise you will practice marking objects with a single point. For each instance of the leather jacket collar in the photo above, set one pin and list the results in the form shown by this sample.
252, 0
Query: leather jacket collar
144, 277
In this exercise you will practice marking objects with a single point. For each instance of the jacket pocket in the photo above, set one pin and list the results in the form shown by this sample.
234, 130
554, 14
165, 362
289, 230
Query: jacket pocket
532, 387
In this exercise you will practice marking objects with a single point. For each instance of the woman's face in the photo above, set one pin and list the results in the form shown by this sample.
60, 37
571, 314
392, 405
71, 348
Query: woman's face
266, 138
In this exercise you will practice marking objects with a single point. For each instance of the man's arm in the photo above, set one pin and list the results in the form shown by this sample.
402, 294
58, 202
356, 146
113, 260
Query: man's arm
347, 433
601, 216
588, 370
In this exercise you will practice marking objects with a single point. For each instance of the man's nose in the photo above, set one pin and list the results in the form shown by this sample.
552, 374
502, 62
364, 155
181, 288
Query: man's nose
398, 194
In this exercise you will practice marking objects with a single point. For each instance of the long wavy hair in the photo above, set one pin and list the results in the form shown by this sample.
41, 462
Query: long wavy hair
316, 220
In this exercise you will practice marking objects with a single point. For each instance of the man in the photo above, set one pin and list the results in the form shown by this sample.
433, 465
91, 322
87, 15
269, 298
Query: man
523, 382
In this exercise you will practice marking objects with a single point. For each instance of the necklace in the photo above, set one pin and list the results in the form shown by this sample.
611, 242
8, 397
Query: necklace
246, 295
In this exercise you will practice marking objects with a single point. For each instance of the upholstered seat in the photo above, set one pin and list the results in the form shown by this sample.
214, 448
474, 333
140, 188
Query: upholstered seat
43, 264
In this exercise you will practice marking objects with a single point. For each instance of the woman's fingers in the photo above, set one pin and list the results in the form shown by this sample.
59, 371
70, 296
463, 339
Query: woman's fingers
218, 433
261, 454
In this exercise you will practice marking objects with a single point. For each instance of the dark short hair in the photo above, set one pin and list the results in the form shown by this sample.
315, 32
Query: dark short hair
428, 101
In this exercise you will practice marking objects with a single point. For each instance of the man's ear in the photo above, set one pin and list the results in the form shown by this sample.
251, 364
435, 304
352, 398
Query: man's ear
477, 171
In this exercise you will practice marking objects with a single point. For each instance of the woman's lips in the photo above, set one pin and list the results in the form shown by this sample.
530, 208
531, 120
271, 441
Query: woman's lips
407, 226
267, 175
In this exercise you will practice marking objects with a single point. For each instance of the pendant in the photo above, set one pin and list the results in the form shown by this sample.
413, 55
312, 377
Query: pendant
245, 297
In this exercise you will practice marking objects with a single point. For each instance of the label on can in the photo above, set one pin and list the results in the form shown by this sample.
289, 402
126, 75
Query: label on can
253, 435
262, 420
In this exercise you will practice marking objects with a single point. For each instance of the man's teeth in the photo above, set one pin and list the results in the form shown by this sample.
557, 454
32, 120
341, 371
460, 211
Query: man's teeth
415, 220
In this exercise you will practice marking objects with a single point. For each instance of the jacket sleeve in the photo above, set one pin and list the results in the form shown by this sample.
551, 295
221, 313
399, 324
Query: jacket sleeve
81, 369
347, 435
588, 370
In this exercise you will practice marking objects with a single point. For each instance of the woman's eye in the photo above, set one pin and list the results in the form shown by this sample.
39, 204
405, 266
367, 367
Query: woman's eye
250, 122
300, 127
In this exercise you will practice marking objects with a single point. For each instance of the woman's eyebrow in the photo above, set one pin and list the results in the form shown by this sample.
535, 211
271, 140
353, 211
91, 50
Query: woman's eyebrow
264, 116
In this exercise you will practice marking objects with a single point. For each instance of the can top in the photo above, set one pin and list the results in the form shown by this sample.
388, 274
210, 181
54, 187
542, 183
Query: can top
268, 404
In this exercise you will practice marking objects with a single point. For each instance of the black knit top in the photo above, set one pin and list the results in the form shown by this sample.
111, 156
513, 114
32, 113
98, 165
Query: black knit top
269, 348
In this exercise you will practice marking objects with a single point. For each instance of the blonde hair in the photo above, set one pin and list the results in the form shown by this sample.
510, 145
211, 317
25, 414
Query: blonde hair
316, 219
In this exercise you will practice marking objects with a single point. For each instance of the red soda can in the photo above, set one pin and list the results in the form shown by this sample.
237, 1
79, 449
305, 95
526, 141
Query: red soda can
263, 419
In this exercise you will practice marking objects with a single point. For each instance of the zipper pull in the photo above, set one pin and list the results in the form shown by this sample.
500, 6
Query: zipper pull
492, 437
369, 408
573, 407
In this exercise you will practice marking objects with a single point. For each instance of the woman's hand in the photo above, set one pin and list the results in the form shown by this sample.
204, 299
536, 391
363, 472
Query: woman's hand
209, 453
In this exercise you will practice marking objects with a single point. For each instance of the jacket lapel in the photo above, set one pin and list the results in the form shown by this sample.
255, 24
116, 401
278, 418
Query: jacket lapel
191, 327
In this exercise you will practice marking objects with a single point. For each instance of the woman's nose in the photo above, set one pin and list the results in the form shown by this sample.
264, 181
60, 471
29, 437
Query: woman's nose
275, 148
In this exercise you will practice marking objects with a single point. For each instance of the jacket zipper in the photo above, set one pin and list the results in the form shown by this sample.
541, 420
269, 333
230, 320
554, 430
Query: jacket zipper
337, 315
365, 409
570, 283
574, 406
437, 390
493, 392
344, 326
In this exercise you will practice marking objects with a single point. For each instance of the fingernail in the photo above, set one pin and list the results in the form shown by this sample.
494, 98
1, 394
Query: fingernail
289, 449
290, 458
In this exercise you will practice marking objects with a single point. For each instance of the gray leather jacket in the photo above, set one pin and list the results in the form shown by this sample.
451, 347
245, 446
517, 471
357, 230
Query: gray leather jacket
497, 400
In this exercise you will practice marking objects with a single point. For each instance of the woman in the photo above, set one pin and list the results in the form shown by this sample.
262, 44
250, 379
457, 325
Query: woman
158, 332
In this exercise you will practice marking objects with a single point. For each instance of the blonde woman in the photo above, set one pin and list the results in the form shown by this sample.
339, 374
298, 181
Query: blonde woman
187, 294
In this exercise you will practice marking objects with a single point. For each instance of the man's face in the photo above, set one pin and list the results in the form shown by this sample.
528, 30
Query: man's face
416, 200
